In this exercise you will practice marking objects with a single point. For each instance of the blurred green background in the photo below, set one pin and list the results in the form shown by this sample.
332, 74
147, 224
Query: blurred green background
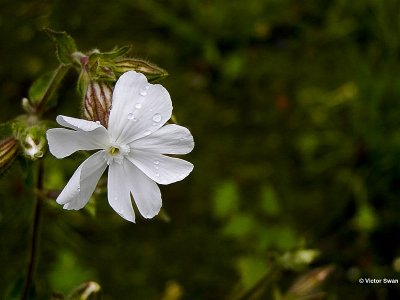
295, 111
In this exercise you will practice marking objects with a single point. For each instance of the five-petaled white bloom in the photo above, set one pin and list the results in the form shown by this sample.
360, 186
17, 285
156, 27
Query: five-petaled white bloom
133, 147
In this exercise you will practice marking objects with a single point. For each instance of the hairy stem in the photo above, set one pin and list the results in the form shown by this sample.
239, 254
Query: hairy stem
35, 235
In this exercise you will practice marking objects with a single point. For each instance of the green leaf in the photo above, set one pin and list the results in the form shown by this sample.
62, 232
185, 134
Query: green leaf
65, 45
226, 199
241, 226
40, 87
73, 272
251, 270
365, 218
269, 201
42, 92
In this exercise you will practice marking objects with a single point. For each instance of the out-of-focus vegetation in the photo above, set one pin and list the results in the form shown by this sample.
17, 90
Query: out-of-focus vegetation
295, 110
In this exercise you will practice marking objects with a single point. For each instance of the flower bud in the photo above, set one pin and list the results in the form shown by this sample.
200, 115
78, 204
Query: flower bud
97, 102
33, 147
27, 106
31, 136
8, 152
151, 71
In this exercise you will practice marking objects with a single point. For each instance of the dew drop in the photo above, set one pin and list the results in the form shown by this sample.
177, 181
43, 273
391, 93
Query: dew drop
110, 108
157, 118
134, 119
147, 132
138, 105
143, 92
130, 116
158, 174
79, 189
156, 162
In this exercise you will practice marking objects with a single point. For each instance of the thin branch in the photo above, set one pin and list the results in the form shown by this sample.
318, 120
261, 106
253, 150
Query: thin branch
35, 235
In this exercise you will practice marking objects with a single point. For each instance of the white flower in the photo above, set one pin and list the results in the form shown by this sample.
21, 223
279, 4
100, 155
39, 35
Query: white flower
133, 148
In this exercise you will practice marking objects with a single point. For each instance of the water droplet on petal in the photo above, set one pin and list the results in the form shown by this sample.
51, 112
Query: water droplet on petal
158, 174
147, 86
130, 116
79, 189
134, 119
138, 105
110, 108
156, 162
147, 132
143, 92
157, 118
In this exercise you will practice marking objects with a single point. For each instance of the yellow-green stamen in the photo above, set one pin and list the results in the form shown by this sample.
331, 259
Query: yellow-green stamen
113, 150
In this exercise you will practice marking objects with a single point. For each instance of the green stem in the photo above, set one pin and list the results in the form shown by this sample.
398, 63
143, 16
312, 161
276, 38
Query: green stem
35, 235
52, 87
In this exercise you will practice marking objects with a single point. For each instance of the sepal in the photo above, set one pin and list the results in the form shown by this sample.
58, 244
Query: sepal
8, 153
65, 45
152, 71
108, 66
97, 102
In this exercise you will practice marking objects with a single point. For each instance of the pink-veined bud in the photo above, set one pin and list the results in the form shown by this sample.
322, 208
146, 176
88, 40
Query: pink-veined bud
97, 102
150, 70
8, 152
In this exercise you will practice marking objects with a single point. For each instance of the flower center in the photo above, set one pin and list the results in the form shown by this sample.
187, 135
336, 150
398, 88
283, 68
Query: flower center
116, 153
113, 150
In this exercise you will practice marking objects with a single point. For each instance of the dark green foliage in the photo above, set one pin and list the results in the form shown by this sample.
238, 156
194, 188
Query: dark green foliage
295, 111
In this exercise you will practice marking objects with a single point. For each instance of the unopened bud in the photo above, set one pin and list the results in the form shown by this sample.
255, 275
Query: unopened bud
27, 106
33, 148
151, 71
309, 283
8, 152
31, 137
97, 102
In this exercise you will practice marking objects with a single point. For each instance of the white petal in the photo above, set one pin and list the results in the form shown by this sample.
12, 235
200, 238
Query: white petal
138, 108
63, 142
80, 187
145, 191
169, 139
162, 169
119, 195
78, 124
